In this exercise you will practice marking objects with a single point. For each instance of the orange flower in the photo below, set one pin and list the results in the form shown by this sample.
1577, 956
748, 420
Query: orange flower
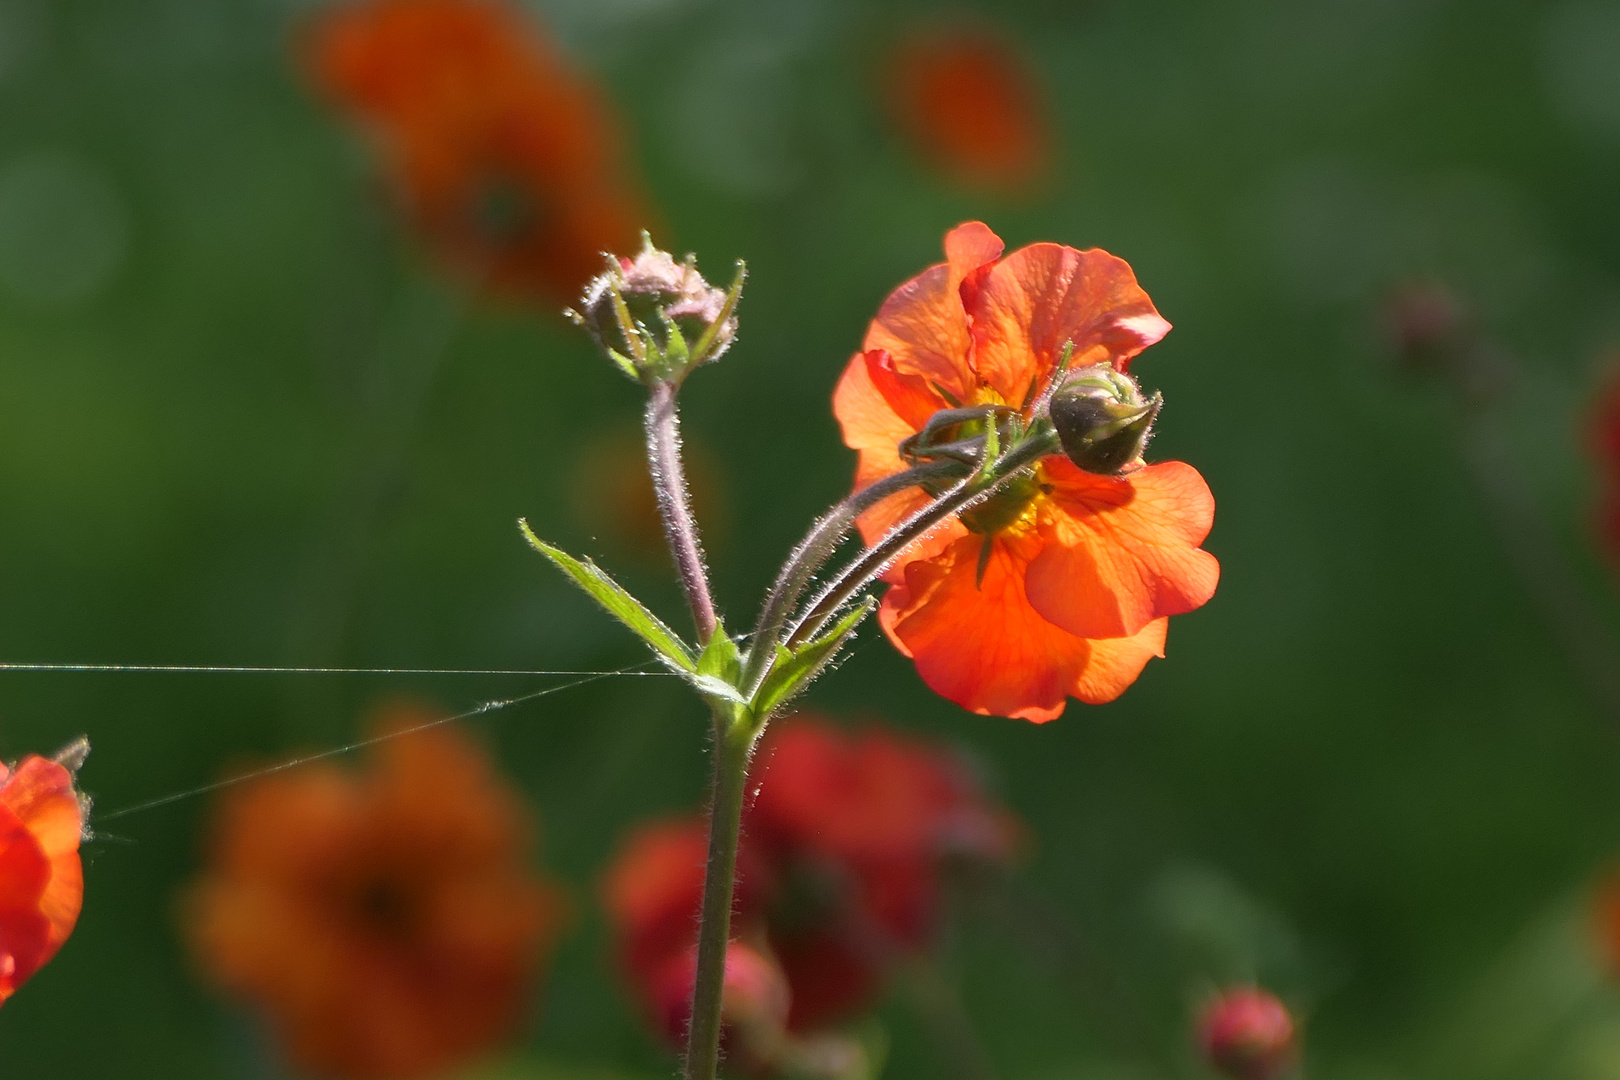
385, 920
41, 881
1063, 584
967, 103
507, 162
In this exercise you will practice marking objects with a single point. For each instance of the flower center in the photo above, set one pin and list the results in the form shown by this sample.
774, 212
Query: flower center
385, 906
502, 211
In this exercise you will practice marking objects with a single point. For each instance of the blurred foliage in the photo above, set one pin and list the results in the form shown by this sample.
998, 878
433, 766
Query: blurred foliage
242, 422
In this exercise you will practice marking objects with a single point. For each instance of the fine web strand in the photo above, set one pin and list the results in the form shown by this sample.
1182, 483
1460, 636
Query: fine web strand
347, 748
230, 669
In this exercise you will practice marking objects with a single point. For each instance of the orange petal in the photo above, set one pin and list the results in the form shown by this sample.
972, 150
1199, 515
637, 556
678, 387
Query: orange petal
1122, 551
922, 324
1042, 296
984, 647
910, 396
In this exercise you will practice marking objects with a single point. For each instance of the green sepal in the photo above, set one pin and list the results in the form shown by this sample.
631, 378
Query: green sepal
618, 602
794, 670
705, 342
719, 668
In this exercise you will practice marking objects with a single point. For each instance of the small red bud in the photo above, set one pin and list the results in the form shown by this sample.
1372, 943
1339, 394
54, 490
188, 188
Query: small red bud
1247, 1034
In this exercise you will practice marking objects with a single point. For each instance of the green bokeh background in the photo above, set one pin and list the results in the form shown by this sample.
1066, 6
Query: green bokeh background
241, 422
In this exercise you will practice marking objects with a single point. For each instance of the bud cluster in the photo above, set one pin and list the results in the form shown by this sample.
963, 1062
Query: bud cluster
657, 318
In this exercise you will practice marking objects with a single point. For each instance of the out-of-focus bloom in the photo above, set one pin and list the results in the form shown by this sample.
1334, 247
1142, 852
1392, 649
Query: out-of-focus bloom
613, 498
1062, 584
41, 880
385, 920
1247, 1034
1606, 449
858, 828
505, 160
839, 873
968, 104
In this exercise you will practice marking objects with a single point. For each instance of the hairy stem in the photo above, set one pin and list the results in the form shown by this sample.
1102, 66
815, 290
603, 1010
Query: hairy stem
812, 553
674, 507
875, 559
732, 746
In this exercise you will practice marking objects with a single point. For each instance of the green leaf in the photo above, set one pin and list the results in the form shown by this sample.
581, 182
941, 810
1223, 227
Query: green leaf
796, 669
720, 656
618, 602
719, 669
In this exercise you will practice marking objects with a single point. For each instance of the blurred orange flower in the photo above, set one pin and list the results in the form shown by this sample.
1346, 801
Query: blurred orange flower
839, 876
41, 880
385, 920
1062, 585
507, 162
1606, 447
968, 104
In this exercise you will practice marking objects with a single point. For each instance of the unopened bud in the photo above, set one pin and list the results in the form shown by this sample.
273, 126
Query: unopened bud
1102, 419
658, 318
1426, 323
1247, 1034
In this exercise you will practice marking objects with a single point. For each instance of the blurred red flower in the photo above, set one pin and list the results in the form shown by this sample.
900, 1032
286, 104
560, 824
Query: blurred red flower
507, 162
1248, 1034
385, 920
968, 104
1606, 448
1062, 585
839, 874
41, 880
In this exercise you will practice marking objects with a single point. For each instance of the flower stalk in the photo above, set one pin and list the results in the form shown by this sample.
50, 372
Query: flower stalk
733, 743
663, 426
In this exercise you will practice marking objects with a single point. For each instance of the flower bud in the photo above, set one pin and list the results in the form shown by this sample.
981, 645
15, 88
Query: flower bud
1247, 1034
1102, 419
656, 318
1426, 323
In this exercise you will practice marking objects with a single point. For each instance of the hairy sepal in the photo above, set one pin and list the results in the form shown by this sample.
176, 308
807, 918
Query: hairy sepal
795, 669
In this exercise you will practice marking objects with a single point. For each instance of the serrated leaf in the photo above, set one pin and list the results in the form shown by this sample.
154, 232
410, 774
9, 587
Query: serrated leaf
617, 601
794, 670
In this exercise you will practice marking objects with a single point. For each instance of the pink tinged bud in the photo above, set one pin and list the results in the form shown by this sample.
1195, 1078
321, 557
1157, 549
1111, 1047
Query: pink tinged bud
658, 318
1247, 1034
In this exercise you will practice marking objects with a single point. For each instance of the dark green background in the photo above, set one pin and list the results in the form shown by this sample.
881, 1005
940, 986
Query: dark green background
1366, 773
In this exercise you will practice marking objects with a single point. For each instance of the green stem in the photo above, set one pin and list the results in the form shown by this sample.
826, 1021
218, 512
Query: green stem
813, 552
733, 743
875, 559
